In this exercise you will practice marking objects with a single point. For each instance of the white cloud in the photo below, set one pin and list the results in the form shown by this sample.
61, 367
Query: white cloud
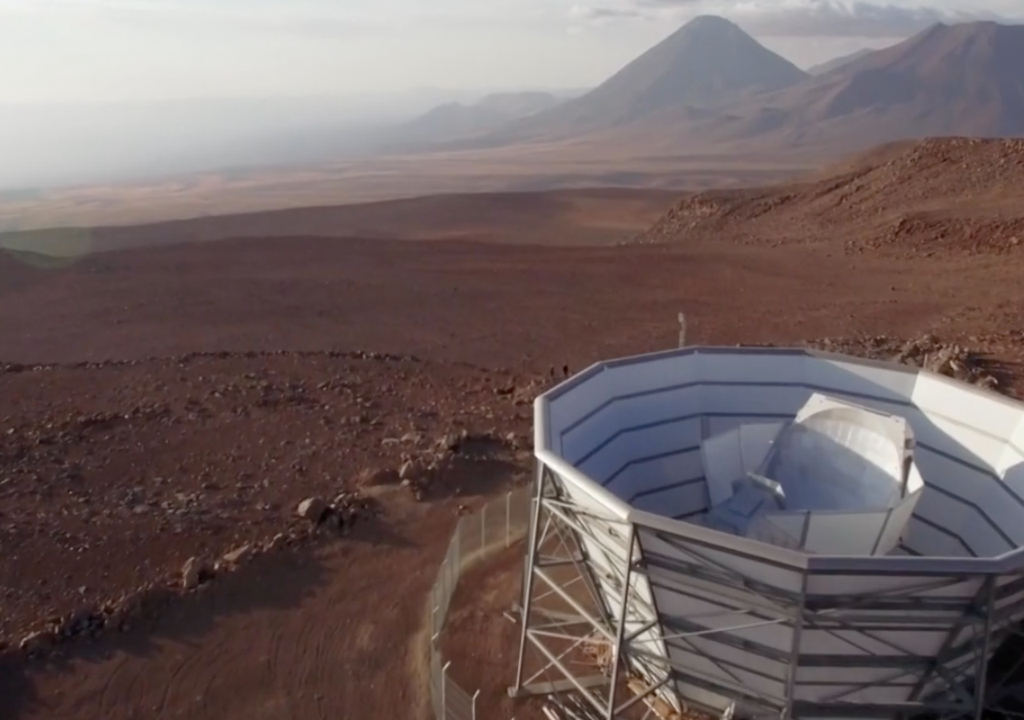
805, 18
588, 13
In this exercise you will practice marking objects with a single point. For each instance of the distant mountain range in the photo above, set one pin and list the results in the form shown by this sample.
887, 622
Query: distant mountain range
711, 87
707, 89
963, 80
836, 63
456, 120
700, 68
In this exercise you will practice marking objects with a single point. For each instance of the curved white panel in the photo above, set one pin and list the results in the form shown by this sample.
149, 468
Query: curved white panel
670, 437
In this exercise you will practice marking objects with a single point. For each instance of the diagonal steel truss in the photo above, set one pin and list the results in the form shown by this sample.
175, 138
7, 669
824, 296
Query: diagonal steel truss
563, 614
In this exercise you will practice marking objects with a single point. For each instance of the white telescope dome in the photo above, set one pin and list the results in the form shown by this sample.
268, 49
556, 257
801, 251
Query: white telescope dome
837, 479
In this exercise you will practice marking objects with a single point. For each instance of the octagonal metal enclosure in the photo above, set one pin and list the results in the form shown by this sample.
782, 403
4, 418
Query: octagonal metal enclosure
694, 617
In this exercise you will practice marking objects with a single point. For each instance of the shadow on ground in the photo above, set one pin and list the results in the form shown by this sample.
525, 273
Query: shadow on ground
482, 466
278, 581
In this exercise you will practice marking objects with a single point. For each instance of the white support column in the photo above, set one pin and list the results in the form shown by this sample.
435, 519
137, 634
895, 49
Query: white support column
528, 578
444, 691
620, 631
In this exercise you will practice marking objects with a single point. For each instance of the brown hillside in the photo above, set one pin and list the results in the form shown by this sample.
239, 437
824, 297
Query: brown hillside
836, 63
950, 80
938, 195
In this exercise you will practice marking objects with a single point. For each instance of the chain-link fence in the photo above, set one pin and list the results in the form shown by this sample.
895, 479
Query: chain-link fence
495, 527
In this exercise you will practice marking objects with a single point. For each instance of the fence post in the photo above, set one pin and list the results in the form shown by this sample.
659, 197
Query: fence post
448, 560
458, 547
444, 690
508, 518
473, 711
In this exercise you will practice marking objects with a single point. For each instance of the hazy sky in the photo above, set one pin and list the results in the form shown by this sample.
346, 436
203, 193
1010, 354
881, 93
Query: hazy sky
69, 50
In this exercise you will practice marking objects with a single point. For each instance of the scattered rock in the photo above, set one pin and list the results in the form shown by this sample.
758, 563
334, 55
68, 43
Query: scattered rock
65, 455
126, 608
332, 522
277, 543
191, 573
373, 478
37, 642
450, 441
238, 555
926, 352
410, 469
84, 620
312, 509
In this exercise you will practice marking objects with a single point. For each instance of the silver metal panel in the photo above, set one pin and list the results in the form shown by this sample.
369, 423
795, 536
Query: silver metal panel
826, 636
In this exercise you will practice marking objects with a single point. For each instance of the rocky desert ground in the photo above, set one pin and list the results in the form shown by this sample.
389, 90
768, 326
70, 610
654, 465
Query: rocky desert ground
230, 469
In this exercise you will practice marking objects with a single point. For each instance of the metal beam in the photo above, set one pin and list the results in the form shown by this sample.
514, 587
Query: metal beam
528, 580
620, 630
981, 675
803, 708
875, 618
558, 686
794, 650
555, 662
641, 696
573, 603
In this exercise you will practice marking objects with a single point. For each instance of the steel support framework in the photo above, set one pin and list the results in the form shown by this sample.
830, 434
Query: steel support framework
957, 684
556, 635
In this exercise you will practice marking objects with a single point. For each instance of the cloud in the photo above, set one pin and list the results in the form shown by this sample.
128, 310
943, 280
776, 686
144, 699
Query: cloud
586, 13
797, 18
856, 19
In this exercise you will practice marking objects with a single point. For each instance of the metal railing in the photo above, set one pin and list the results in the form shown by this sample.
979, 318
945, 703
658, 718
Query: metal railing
497, 525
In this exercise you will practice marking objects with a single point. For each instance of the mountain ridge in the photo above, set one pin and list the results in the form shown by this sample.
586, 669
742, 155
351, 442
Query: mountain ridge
710, 88
671, 76
838, 62
455, 120
948, 80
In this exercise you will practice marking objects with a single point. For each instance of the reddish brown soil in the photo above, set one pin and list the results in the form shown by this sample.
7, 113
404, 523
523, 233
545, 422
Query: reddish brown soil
598, 216
481, 643
493, 306
115, 475
334, 634
287, 640
936, 198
